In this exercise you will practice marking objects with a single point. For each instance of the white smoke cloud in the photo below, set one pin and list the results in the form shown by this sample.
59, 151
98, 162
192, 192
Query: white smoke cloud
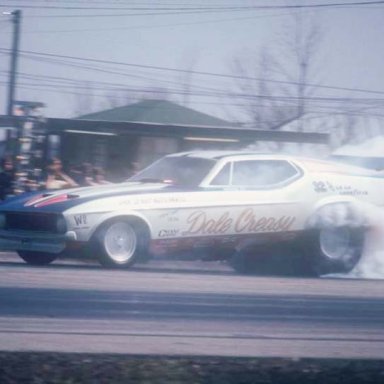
371, 264
356, 215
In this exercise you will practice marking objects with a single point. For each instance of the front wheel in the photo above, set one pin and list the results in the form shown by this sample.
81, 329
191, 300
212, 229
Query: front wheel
120, 243
37, 258
334, 249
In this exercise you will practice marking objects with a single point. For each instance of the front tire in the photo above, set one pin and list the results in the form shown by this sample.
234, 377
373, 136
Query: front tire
334, 249
120, 243
37, 258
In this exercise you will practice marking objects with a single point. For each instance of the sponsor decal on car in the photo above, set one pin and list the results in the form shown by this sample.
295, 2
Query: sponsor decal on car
246, 222
342, 189
80, 220
168, 232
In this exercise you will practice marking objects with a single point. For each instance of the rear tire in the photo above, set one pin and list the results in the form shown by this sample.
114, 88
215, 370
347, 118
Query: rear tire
334, 249
37, 258
120, 243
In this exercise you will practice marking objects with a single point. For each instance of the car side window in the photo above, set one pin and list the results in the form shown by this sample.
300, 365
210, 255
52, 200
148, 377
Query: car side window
262, 173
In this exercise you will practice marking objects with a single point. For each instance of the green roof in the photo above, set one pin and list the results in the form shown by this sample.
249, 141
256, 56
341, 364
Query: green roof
160, 112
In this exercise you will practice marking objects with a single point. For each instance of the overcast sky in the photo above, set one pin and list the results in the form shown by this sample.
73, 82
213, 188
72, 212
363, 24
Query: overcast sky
350, 56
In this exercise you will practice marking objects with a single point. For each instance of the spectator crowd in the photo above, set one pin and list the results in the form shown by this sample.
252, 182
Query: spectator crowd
54, 177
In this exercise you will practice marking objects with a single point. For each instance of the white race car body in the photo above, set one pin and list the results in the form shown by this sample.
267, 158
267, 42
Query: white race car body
195, 200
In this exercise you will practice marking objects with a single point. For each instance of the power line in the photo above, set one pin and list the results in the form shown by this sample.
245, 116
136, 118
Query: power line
325, 108
163, 8
224, 94
103, 70
164, 13
57, 82
75, 82
203, 73
153, 26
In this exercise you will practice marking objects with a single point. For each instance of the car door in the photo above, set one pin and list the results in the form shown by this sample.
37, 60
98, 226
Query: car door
251, 196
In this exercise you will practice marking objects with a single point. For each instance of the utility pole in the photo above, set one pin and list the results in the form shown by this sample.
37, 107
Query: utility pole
16, 20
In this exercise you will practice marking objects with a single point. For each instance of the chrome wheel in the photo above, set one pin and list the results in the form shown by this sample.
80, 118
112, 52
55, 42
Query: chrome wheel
335, 243
333, 249
120, 242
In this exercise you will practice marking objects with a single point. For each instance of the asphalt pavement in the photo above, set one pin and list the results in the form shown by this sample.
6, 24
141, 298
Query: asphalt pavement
186, 308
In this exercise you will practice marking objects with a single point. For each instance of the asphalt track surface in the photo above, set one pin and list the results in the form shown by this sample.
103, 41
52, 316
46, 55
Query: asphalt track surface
180, 308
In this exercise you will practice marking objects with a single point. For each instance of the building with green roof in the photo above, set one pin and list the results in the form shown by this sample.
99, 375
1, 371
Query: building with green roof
136, 134
158, 112
111, 148
140, 133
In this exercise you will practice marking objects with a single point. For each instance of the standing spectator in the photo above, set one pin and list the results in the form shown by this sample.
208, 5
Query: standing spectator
99, 176
88, 174
7, 177
82, 174
56, 178
76, 173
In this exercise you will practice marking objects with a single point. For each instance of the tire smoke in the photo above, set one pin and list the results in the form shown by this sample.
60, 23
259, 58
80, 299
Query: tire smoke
371, 263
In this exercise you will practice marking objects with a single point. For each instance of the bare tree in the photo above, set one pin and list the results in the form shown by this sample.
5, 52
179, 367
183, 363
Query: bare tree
120, 97
114, 99
292, 61
300, 42
256, 96
184, 79
84, 101
248, 90
155, 93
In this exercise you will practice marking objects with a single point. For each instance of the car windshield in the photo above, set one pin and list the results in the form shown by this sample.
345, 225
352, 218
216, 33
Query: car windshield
185, 171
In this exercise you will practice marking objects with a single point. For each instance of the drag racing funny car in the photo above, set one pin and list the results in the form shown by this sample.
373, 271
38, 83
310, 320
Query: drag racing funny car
216, 205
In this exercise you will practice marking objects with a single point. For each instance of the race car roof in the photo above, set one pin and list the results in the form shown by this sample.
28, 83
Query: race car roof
310, 164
